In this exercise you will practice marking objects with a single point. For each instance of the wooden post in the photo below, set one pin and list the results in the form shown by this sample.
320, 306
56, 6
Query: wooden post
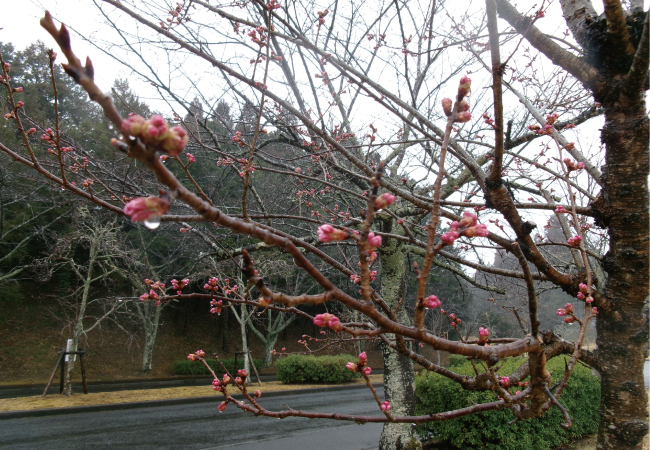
64, 354
56, 366
83, 370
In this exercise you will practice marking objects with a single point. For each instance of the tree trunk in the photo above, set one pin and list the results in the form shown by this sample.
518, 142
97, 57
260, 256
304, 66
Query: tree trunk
150, 326
399, 378
621, 330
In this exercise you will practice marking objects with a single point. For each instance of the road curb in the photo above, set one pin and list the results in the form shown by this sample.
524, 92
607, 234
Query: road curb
156, 403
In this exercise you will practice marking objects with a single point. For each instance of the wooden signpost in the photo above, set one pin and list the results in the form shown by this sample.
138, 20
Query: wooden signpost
61, 362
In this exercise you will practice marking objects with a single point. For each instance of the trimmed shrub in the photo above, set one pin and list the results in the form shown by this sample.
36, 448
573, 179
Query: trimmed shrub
457, 360
490, 430
296, 369
187, 367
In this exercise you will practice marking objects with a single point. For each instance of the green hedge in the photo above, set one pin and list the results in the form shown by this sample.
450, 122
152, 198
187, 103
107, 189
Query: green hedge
187, 367
457, 360
490, 430
296, 369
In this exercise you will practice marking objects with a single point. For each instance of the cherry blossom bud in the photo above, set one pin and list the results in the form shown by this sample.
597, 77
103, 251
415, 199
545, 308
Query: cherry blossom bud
583, 288
132, 126
20, 104
366, 371
569, 319
483, 334
264, 301
155, 130
464, 106
298, 170
190, 158
238, 380
465, 86
594, 310
363, 358
447, 104
374, 241
385, 406
384, 200
449, 237
581, 296
327, 233
352, 366
328, 320
432, 302
226, 379
31, 131
191, 357
560, 210
18, 89
589, 299
147, 208
199, 353
504, 381
575, 241
463, 117
175, 141
222, 406
242, 373
258, 393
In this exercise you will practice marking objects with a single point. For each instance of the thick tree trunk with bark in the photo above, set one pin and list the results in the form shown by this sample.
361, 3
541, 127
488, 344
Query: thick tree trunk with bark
399, 378
622, 332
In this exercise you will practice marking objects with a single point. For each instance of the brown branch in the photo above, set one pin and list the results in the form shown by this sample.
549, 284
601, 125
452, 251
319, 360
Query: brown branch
494, 178
584, 72
619, 37
638, 73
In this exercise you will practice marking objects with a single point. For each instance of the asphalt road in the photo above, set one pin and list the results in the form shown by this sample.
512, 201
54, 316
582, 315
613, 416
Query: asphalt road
201, 426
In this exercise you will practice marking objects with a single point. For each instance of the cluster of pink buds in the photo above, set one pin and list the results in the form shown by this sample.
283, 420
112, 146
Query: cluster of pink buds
463, 110
385, 406
147, 208
483, 334
455, 321
179, 285
568, 309
488, 120
273, 4
574, 241
467, 226
360, 366
190, 158
561, 210
216, 306
356, 279
321, 17
572, 165
156, 132
504, 381
328, 320
211, 285
216, 385
88, 182
432, 302
152, 295
196, 355
384, 200
327, 233
48, 136
584, 293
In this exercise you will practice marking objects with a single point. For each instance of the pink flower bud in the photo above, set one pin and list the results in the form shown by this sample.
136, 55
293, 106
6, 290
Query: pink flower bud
190, 157
175, 141
264, 301
20, 104
594, 310
483, 333
504, 381
463, 116
465, 86
581, 296
327, 233
366, 371
199, 353
575, 241
464, 106
374, 241
560, 210
384, 200
258, 393
191, 357
238, 380
31, 131
449, 237
226, 379
298, 170
222, 406
569, 319
583, 288
432, 302
155, 130
352, 366
18, 89
146, 208
328, 320
569, 308
363, 358
447, 105
589, 299
132, 126
385, 406
242, 373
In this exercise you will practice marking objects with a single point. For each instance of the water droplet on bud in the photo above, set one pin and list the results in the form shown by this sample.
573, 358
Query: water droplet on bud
152, 223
